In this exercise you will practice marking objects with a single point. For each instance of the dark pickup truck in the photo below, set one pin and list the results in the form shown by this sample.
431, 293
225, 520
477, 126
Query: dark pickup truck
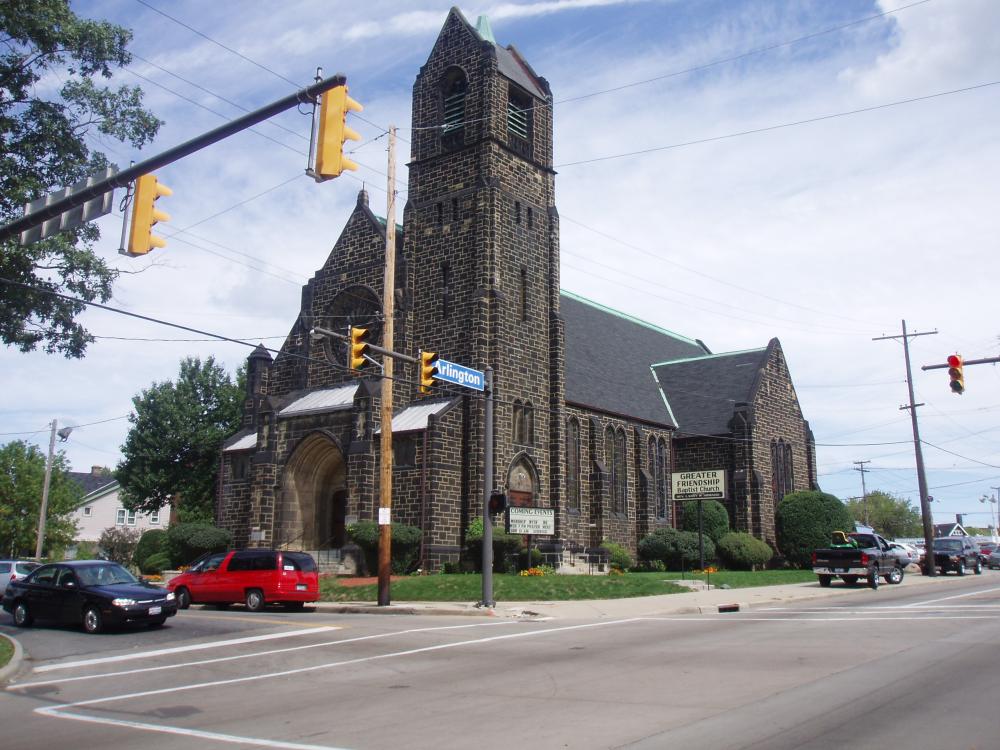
871, 559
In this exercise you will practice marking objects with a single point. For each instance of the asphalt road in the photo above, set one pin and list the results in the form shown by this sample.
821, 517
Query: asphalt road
894, 668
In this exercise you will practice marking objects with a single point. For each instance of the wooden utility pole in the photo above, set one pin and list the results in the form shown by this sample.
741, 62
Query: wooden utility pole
388, 311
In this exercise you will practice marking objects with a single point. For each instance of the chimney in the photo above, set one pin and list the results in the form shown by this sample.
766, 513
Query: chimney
97, 471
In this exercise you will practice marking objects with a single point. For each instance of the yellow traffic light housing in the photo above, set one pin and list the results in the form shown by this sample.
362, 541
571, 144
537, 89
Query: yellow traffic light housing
428, 369
956, 371
333, 131
145, 215
358, 348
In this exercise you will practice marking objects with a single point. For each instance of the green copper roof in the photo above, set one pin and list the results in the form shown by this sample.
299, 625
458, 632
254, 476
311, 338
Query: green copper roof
484, 30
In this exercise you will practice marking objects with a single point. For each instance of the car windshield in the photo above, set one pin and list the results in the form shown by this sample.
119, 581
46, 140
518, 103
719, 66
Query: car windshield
104, 574
948, 545
23, 568
864, 540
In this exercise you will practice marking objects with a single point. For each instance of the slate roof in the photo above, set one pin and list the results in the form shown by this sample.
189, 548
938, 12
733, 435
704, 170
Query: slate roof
609, 357
90, 482
703, 391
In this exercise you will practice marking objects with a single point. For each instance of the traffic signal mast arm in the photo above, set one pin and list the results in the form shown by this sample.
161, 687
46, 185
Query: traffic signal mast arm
945, 366
126, 176
371, 347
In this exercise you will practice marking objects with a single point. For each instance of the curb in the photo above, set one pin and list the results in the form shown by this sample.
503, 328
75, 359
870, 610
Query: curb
11, 667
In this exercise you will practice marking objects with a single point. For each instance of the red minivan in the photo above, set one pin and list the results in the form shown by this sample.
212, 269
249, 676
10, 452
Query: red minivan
256, 577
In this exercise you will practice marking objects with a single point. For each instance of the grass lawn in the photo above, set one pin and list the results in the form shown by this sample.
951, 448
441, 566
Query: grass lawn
6, 651
515, 588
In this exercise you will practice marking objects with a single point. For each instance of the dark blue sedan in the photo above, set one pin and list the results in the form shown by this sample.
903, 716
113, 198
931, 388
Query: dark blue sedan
94, 593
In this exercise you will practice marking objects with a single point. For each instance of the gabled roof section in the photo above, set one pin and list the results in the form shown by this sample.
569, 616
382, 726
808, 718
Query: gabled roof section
91, 482
242, 441
608, 359
703, 391
321, 400
415, 417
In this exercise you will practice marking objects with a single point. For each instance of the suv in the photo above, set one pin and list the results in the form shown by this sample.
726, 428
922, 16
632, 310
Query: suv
14, 570
958, 553
256, 577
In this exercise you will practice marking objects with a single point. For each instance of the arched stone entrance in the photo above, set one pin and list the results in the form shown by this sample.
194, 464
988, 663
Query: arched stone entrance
313, 503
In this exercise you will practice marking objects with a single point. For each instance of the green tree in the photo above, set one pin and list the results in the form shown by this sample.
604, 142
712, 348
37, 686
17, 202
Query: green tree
50, 105
806, 520
889, 515
22, 476
714, 518
173, 445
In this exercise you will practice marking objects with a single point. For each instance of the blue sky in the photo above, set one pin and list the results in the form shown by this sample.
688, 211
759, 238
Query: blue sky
824, 234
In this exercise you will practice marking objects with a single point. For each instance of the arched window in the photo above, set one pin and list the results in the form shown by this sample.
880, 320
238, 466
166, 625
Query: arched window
657, 464
573, 464
518, 425
524, 423
454, 89
782, 478
615, 458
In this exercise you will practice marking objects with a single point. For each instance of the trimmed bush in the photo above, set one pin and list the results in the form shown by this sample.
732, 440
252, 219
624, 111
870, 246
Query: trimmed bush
155, 563
677, 550
714, 518
506, 548
118, 543
618, 556
741, 551
186, 541
151, 542
405, 549
805, 520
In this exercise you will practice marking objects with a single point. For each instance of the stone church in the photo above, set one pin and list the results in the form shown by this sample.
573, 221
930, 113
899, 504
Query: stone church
594, 409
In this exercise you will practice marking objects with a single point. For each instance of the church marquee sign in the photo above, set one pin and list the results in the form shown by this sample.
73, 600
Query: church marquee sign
699, 485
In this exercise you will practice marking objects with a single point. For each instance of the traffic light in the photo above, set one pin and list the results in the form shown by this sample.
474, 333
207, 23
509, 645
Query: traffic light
428, 369
955, 372
358, 348
333, 131
145, 215
498, 503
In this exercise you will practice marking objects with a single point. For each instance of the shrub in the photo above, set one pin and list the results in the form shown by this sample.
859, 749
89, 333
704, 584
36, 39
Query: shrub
618, 556
186, 541
742, 551
404, 551
714, 518
677, 550
805, 520
151, 542
506, 548
155, 563
118, 543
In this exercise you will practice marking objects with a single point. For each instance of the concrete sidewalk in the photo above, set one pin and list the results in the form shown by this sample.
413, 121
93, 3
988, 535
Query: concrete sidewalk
694, 602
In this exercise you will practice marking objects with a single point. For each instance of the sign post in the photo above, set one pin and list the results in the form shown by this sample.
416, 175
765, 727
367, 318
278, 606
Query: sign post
699, 486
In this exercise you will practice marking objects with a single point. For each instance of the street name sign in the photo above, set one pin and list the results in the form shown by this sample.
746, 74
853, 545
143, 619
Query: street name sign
451, 372
699, 485
531, 520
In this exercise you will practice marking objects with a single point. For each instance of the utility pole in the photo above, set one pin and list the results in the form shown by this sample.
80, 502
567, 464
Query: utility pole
997, 503
864, 492
388, 311
925, 506
45, 494
488, 600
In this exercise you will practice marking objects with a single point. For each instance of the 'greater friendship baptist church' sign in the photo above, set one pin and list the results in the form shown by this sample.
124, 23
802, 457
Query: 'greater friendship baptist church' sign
699, 485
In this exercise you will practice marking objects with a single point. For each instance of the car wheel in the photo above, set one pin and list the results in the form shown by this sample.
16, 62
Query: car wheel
873, 578
961, 568
850, 580
895, 576
92, 620
183, 598
255, 600
22, 615
825, 581
978, 570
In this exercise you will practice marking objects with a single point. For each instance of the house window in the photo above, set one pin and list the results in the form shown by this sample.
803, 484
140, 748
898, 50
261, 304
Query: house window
241, 466
120, 517
154, 518
404, 451
88, 511
131, 518
573, 464
519, 122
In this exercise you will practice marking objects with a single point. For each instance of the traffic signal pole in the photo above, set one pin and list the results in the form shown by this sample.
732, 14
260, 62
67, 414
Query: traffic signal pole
126, 176
488, 600
925, 507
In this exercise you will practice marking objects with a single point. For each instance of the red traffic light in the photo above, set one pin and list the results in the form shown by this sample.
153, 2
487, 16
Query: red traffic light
956, 373
954, 361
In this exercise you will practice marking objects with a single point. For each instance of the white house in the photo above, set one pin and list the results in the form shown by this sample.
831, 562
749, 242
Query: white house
100, 507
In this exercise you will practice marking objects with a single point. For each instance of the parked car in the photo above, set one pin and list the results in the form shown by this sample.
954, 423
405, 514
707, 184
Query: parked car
14, 570
958, 553
994, 561
985, 550
905, 553
93, 593
870, 558
255, 577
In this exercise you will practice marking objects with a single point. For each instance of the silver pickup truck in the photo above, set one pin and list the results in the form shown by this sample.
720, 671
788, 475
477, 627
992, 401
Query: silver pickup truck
872, 559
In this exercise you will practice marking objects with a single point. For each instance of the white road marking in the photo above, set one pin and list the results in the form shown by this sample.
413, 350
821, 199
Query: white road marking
142, 670
956, 596
183, 649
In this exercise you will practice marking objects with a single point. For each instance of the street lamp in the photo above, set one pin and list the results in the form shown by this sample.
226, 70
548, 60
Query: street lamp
994, 521
43, 511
